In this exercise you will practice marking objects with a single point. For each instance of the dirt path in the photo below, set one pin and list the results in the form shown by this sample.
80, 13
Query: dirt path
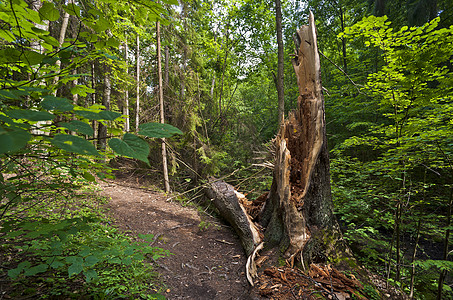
208, 263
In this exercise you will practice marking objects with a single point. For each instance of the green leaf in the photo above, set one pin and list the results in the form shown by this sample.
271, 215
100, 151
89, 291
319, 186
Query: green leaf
32, 115
91, 261
56, 103
101, 24
109, 115
171, 2
90, 115
56, 264
10, 55
49, 12
88, 176
74, 144
8, 94
90, 275
81, 90
127, 261
113, 42
76, 266
33, 58
72, 9
36, 270
131, 146
103, 115
146, 237
158, 130
13, 139
14, 273
78, 126
157, 296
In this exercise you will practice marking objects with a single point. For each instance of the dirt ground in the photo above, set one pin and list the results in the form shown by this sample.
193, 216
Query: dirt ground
208, 260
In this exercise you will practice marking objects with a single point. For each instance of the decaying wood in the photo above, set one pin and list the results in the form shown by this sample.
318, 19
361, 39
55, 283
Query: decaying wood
226, 200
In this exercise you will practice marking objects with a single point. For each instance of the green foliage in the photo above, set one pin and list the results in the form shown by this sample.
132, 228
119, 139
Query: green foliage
61, 249
54, 234
158, 130
397, 152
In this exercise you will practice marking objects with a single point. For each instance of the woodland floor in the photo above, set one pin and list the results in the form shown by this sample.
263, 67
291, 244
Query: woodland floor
207, 262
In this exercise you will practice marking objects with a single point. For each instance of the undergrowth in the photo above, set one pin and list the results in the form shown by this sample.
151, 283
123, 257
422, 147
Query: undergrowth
58, 244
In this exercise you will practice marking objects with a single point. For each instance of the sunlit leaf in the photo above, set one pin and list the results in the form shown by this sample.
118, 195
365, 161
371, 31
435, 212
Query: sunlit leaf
49, 12
13, 139
32, 115
158, 130
74, 144
131, 146
78, 126
56, 103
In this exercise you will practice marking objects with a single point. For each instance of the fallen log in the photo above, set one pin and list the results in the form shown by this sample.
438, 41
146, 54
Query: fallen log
227, 201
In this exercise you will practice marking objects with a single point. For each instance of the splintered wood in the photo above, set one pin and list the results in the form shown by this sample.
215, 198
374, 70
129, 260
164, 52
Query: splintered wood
324, 280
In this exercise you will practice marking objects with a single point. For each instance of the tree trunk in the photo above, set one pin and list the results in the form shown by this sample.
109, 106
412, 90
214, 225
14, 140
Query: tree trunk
443, 273
299, 209
161, 104
343, 41
280, 63
64, 26
137, 110
127, 127
297, 216
102, 129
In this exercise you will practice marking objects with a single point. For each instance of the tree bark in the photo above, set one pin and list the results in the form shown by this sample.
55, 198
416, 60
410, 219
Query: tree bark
280, 63
102, 129
161, 104
64, 27
137, 110
127, 126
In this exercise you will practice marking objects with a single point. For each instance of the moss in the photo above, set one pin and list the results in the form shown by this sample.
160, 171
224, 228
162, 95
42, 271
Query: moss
281, 261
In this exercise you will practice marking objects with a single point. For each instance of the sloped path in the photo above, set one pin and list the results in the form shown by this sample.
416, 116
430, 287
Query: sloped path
208, 263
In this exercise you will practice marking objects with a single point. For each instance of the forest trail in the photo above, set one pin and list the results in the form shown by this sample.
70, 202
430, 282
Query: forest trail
208, 263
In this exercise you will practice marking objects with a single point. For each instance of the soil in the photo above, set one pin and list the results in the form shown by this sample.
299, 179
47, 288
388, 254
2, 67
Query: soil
208, 261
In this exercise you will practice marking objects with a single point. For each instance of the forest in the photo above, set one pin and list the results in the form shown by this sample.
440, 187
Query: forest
188, 94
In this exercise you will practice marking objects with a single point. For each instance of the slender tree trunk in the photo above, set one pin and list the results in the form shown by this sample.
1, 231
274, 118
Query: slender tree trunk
102, 129
137, 109
167, 67
127, 127
34, 44
443, 274
343, 41
75, 82
379, 7
64, 26
182, 92
280, 63
161, 104
222, 79
398, 241
414, 255
93, 96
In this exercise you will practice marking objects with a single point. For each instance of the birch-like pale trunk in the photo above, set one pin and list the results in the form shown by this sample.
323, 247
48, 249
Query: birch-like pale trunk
137, 109
161, 104
102, 129
61, 38
126, 92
